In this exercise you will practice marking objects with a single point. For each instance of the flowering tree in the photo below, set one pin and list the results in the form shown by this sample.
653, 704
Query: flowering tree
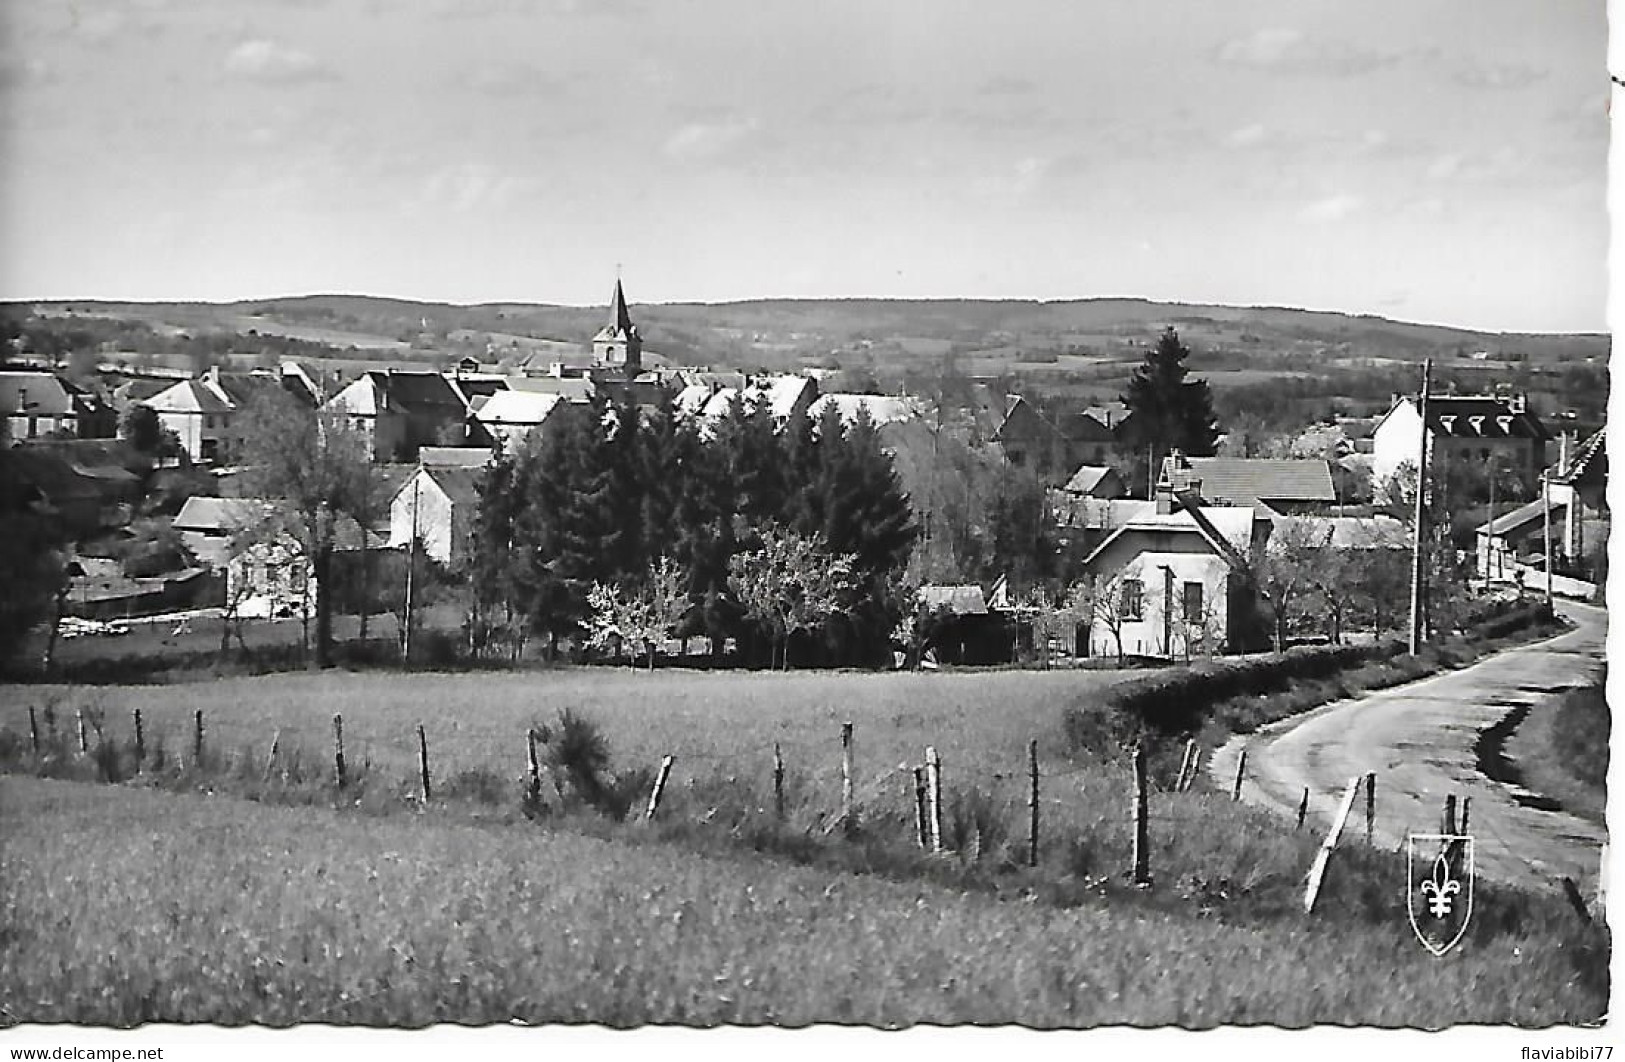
643, 616
790, 584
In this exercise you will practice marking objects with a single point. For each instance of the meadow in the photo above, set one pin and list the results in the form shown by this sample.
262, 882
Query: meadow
121, 906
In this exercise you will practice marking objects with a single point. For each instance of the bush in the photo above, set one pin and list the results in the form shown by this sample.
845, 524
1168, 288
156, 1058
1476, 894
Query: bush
1239, 695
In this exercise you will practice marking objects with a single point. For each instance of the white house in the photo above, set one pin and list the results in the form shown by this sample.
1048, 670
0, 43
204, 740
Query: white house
1463, 430
508, 416
438, 505
1173, 579
266, 573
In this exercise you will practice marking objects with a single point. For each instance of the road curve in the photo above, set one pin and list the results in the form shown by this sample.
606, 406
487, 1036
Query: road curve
1419, 738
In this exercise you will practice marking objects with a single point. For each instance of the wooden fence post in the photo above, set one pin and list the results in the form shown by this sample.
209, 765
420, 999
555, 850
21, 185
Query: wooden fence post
1303, 807
423, 762
1466, 810
1142, 833
50, 724
660, 787
1241, 771
197, 740
338, 749
1370, 806
1182, 782
33, 730
846, 776
922, 830
140, 740
778, 783
1448, 824
533, 770
1317, 872
933, 797
79, 721
270, 757
1571, 892
1032, 803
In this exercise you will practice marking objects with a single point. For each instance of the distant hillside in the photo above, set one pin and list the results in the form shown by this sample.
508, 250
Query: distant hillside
1085, 344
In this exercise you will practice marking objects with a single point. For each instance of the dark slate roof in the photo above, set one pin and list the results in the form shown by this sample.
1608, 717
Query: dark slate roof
422, 389
48, 395
1250, 480
1086, 479
1483, 416
462, 485
1589, 463
1083, 427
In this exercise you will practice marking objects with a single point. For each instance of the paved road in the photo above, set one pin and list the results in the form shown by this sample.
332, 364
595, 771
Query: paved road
1420, 738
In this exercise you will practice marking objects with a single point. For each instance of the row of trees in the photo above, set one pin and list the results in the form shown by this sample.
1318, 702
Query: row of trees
636, 524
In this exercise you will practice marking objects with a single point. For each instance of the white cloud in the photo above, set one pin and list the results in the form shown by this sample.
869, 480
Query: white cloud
1247, 136
463, 187
700, 140
1290, 51
513, 79
1331, 209
1499, 76
273, 63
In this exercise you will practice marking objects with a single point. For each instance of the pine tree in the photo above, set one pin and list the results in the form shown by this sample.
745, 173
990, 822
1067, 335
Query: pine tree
1168, 411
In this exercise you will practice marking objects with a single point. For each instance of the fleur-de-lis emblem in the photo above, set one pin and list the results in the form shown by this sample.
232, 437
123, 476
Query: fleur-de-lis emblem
1440, 889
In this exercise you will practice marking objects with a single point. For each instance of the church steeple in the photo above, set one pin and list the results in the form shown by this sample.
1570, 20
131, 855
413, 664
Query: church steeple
619, 319
618, 344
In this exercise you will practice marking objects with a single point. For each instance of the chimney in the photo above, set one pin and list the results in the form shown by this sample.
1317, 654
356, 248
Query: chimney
1175, 479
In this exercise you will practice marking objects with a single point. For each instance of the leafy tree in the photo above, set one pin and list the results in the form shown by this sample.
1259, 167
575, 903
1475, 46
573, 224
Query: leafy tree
789, 583
314, 465
1286, 569
140, 427
1116, 601
33, 564
642, 614
1167, 410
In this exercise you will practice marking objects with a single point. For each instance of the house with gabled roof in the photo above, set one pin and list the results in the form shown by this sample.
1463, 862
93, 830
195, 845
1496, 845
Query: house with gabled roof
507, 417
35, 403
1286, 485
1173, 578
438, 506
400, 411
204, 412
1464, 431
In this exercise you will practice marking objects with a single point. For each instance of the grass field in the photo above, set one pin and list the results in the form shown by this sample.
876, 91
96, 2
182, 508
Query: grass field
126, 906
1561, 751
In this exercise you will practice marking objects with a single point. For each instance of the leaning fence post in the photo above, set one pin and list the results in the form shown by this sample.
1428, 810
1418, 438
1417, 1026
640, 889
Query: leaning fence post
533, 770
33, 730
140, 739
1303, 807
921, 833
660, 787
1142, 833
1032, 802
270, 757
778, 783
1187, 767
846, 776
1466, 810
1317, 872
423, 761
338, 749
79, 721
1448, 826
197, 740
1241, 770
1370, 806
933, 797
1571, 892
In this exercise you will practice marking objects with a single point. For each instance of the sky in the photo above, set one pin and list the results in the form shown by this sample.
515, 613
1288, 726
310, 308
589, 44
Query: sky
1428, 160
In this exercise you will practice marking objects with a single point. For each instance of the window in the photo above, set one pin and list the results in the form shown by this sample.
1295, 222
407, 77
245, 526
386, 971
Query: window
1193, 602
1133, 591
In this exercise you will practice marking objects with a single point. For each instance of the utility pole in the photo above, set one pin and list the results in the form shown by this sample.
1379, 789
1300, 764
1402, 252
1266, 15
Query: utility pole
411, 563
1168, 611
1546, 508
1418, 626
